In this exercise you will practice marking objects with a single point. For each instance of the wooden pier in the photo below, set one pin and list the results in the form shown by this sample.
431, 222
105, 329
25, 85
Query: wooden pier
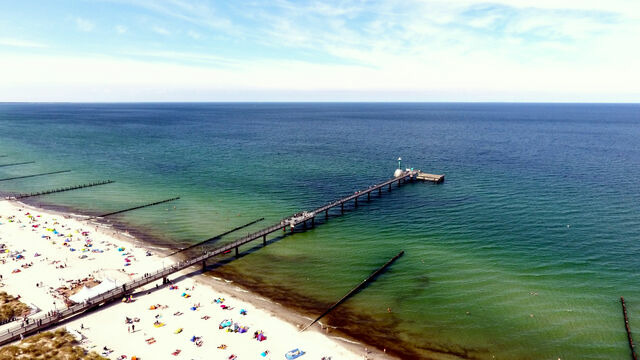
430, 177
217, 237
37, 323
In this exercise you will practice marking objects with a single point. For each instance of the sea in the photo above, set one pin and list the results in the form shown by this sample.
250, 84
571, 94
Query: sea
522, 253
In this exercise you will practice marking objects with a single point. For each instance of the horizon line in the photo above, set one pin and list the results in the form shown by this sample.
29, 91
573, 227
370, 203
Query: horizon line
322, 102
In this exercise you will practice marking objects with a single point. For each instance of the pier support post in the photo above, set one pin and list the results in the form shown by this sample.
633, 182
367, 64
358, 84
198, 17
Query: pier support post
356, 201
379, 191
369, 196
326, 214
264, 240
236, 251
313, 221
342, 208
304, 224
204, 265
389, 187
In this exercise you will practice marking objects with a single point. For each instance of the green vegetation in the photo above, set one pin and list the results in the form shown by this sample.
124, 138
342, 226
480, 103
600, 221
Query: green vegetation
50, 345
11, 307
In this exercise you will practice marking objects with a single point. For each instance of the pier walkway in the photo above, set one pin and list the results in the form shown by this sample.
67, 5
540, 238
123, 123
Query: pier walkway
37, 323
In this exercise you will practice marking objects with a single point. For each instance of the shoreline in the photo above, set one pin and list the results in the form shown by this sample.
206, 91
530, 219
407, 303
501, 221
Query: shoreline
349, 347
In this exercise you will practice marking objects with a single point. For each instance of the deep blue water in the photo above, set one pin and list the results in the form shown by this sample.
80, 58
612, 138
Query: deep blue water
522, 253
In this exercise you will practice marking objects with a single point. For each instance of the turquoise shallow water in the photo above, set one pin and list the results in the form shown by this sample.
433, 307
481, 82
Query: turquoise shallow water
538, 215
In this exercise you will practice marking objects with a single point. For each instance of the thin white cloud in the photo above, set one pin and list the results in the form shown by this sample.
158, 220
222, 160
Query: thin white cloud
194, 35
430, 31
160, 30
323, 8
84, 24
185, 57
197, 13
21, 43
121, 29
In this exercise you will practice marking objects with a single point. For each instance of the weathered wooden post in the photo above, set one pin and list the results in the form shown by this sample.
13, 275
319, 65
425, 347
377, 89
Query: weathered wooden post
634, 356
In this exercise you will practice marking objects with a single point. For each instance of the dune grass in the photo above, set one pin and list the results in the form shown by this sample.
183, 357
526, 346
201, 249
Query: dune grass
50, 345
11, 307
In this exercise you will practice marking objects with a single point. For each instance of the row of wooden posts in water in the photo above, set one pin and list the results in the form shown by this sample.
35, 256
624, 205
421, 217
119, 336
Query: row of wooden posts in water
634, 355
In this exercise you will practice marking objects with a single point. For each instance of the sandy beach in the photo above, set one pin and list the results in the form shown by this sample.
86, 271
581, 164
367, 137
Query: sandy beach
47, 257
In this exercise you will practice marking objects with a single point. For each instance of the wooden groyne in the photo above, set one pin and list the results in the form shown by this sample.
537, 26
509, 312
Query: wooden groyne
134, 208
634, 355
18, 163
217, 237
34, 175
22, 196
355, 289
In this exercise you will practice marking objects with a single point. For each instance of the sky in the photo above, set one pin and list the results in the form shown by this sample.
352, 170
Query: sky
286, 50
